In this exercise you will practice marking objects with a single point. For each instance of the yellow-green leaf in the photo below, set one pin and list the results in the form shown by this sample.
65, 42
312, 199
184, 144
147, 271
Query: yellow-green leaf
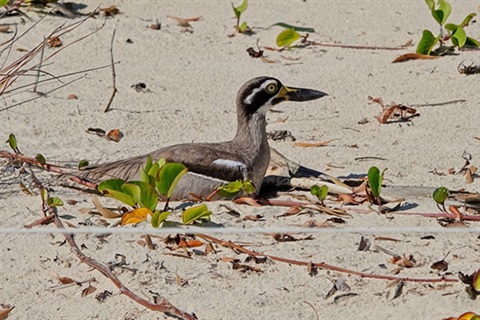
196, 214
240, 9
55, 202
159, 217
287, 37
40, 158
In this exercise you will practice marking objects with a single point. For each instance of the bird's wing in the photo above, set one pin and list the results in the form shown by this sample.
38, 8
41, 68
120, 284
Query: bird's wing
212, 160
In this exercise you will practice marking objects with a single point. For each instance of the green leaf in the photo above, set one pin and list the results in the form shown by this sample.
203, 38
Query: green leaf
159, 217
142, 193
442, 13
289, 26
427, 42
144, 170
113, 188
467, 20
476, 281
470, 42
240, 9
44, 194
459, 37
12, 142
431, 4
375, 179
3, 2
230, 189
319, 192
248, 187
55, 202
440, 195
82, 164
287, 37
41, 159
168, 177
243, 27
196, 214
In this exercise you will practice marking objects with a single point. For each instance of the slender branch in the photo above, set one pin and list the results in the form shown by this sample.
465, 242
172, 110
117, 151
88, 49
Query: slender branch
323, 265
114, 76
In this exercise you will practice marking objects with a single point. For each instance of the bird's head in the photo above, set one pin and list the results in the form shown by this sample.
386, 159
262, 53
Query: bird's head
259, 94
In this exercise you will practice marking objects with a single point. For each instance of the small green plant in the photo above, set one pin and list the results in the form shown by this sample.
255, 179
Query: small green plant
287, 37
235, 188
448, 31
375, 180
238, 11
320, 192
159, 178
440, 195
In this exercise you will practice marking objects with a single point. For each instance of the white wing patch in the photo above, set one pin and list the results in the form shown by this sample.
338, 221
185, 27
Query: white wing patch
230, 164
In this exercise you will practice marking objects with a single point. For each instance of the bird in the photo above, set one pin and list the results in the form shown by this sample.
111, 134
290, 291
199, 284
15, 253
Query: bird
210, 165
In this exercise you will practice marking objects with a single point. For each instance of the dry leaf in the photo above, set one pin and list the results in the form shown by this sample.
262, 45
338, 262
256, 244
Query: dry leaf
245, 267
407, 44
6, 309
284, 237
114, 135
386, 114
253, 217
110, 11
135, 216
456, 212
403, 261
469, 174
88, 290
413, 56
148, 242
267, 60
441, 265
209, 248
184, 22
106, 213
54, 42
4, 28
311, 269
314, 144
194, 243
72, 96
254, 53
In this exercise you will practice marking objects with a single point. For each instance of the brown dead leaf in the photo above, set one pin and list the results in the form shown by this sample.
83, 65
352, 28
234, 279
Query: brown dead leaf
441, 265
88, 290
194, 243
403, 261
407, 44
458, 215
413, 56
451, 171
469, 174
274, 49
245, 267
229, 259
254, 53
4, 28
314, 144
209, 248
114, 135
311, 269
386, 114
180, 281
284, 237
148, 242
110, 11
253, 217
54, 42
184, 22
106, 213
247, 200
72, 96
6, 309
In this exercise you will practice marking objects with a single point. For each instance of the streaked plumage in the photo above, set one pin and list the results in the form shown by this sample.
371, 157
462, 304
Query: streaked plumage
210, 165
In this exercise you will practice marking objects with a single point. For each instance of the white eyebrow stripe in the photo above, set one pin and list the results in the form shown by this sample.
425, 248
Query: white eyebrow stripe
230, 163
248, 100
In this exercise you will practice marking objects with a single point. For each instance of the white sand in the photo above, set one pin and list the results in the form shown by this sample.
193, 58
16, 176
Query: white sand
193, 79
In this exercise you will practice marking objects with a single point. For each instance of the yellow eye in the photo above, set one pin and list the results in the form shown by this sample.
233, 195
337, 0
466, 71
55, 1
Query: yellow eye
271, 88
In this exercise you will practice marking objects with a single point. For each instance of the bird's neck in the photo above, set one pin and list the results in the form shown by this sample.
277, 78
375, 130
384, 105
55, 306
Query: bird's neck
251, 132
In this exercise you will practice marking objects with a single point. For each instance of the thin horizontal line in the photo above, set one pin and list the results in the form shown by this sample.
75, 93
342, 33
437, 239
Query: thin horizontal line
268, 230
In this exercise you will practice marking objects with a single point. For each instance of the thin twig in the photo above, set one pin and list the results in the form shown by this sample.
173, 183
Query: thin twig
114, 76
344, 46
323, 265
438, 103
35, 84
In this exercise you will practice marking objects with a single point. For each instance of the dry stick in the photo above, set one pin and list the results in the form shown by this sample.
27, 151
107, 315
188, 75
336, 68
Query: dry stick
164, 306
438, 103
114, 77
355, 47
323, 265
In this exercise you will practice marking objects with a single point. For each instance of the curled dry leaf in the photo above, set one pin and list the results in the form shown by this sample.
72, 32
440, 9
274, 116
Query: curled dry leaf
392, 110
441, 265
88, 290
110, 11
114, 135
253, 217
106, 213
469, 172
468, 69
54, 42
413, 56
458, 215
184, 22
72, 96
403, 261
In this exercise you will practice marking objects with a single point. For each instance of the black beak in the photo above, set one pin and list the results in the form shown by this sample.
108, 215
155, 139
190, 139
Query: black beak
300, 94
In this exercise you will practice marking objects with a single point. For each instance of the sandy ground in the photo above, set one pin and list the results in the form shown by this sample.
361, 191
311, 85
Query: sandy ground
192, 79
